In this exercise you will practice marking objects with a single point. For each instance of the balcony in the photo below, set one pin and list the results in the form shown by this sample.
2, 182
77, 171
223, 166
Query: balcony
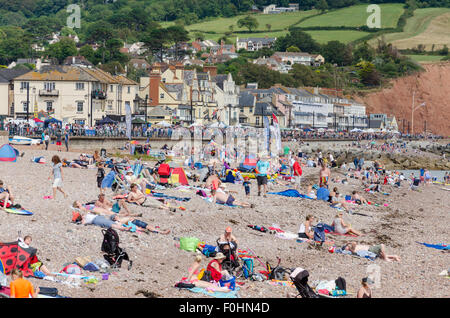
48, 92
98, 94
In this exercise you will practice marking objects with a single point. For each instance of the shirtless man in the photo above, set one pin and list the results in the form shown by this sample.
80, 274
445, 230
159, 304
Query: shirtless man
140, 224
356, 197
228, 240
324, 176
379, 250
104, 203
137, 197
221, 197
213, 182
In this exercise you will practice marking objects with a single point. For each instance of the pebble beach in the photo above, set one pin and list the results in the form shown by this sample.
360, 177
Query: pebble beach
400, 220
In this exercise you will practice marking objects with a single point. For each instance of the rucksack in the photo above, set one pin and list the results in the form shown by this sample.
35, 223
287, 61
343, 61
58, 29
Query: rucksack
110, 241
319, 233
247, 267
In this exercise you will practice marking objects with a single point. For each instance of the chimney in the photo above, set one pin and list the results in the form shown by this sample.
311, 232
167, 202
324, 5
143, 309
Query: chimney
155, 80
179, 70
211, 69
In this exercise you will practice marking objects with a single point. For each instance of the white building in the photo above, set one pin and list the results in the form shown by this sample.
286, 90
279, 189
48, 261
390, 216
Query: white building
72, 93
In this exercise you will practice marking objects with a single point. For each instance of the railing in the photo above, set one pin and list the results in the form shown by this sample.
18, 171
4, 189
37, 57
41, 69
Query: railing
48, 92
98, 94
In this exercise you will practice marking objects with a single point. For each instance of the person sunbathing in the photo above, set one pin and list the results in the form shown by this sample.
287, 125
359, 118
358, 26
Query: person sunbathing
131, 178
6, 189
140, 224
342, 228
378, 250
338, 202
219, 196
119, 207
73, 164
137, 197
358, 198
92, 209
35, 262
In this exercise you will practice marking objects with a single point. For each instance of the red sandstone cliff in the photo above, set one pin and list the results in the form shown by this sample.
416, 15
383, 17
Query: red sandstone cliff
431, 86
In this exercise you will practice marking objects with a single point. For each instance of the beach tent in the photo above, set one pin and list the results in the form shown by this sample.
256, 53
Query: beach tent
249, 163
14, 255
178, 176
106, 120
8, 153
356, 130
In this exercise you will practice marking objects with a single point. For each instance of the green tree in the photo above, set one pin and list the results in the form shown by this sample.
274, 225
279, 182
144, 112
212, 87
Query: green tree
248, 22
337, 53
444, 50
88, 52
298, 38
368, 73
322, 6
268, 26
293, 48
177, 34
62, 49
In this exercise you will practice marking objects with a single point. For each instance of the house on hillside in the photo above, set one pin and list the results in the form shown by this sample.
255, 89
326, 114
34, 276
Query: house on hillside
254, 44
291, 58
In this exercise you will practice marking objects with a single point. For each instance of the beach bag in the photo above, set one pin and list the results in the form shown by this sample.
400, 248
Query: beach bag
8, 204
209, 250
230, 283
189, 243
48, 291
323, 194
76, 217
205, 275
247, 267
319, 233
184, 285
341, 283
279, 273
164, 170
72, 269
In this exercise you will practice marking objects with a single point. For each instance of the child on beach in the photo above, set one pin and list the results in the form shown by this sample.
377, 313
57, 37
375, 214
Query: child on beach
246, 185
57, 176
20, 287
100, 176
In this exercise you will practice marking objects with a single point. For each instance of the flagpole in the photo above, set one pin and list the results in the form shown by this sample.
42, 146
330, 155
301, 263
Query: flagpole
412, 113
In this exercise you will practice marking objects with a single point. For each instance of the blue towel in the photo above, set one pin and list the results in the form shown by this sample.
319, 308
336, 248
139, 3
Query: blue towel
437, 246
323, 194
216, 294
162, 195
292, 193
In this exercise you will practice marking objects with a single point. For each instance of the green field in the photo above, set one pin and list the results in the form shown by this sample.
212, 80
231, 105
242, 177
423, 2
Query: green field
425, 58
344, 36
425, 27
356, 16
277, 21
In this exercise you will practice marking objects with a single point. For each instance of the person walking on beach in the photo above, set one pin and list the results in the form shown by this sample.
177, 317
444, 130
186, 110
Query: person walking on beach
66, 140
57, 176
58, 140
46, 139
262, 168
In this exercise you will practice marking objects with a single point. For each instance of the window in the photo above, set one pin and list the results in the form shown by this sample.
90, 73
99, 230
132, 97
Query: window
79, 86
25, 107
161, 95
24, 85
257, 120
110, 106
164, 80
111, 89
129, 89
49, 86
80, 107
49, 106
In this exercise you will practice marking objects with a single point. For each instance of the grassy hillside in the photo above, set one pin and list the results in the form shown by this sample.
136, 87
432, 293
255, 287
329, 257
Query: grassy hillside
425, 58
344, 36
280, 21
356, 16
428, 26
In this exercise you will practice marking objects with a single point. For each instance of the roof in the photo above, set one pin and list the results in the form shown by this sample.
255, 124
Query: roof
246, 99
175, 88
6, 75
125, 80
73, 73
263, 40
260, 107
159, 111
293, 54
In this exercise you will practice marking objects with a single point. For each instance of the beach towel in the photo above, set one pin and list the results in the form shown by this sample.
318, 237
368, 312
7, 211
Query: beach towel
323, 194
108, 180
292, 193
216, 294
162, 195
436, 246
